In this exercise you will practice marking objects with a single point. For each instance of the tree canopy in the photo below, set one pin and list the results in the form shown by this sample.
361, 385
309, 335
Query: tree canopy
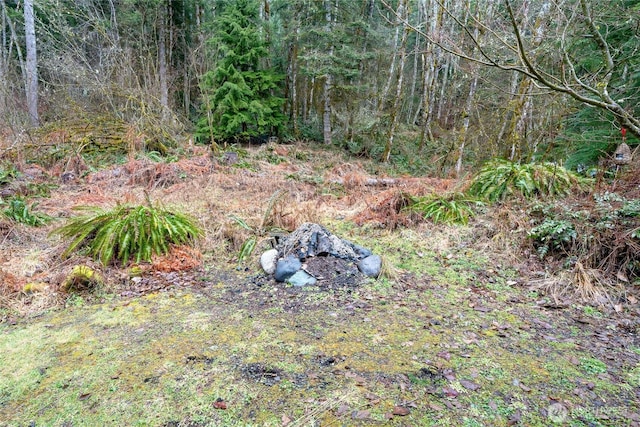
432, 85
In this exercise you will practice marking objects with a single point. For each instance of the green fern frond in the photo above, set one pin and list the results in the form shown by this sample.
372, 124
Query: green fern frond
451, 208
500, 179
127, 232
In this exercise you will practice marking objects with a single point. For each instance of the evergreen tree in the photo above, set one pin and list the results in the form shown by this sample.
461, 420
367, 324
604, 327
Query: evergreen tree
239, 98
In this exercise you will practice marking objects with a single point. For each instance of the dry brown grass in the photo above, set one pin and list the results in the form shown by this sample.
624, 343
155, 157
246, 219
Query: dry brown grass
502, 230
10, 284
587, 285
386, 209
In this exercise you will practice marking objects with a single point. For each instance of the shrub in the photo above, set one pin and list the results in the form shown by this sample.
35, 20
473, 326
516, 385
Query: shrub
499, 179
18, 211
451, 208
127, 232
552, 234
601, 233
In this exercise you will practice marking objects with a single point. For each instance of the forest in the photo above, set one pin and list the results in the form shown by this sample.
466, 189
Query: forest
319, 212
438, 87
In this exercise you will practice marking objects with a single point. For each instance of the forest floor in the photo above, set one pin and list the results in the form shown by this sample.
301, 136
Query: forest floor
462, 330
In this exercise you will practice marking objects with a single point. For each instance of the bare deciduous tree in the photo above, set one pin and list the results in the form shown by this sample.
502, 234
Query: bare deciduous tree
31, 85
513, 48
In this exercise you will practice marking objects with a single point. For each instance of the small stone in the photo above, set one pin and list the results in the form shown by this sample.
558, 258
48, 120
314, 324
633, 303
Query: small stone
268, 261
286, 268
362, 252
370, 266
302, 278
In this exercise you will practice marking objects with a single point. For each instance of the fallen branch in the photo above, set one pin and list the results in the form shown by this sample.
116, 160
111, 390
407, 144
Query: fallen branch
371, 182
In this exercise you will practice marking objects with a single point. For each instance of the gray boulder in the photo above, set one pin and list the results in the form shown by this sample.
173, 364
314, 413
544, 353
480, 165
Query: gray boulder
370, 266
302, 278
286, 267
268, 261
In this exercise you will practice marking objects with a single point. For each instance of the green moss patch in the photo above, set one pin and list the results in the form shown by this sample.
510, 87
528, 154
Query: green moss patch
450, 340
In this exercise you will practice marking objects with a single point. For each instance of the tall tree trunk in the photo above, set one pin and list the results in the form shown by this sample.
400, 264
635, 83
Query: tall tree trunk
396, 102
414, 75
328, 82
392, 67
509, 110
522, 103
14, 42
430, 64
31, 85
462, 136
520, 109
444, 72
3, 62
162, 61
265, 13
292, 73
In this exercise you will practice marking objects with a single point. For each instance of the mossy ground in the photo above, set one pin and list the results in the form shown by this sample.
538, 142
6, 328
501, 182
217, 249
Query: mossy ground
461, 348
453, 337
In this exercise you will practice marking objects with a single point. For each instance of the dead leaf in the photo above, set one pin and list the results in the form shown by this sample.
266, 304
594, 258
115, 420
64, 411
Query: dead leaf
357, 378
622, 276
342, 409
286, 420
220, 404
515, 418
361, 415
449, 392
401, 411
449, 375
470, 385
525, 388
583, 320
444, 355
632, 299
435, 407
373, 399
84, 396
542, 323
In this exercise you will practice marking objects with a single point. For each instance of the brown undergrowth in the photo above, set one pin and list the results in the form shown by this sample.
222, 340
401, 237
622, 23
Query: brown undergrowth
387, 207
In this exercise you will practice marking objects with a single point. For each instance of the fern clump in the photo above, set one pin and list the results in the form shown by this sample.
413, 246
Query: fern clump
452, 208
127, 232
500, 179
18, 211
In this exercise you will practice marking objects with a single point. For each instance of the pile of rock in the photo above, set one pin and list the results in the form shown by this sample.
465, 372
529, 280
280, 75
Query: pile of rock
312, 253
